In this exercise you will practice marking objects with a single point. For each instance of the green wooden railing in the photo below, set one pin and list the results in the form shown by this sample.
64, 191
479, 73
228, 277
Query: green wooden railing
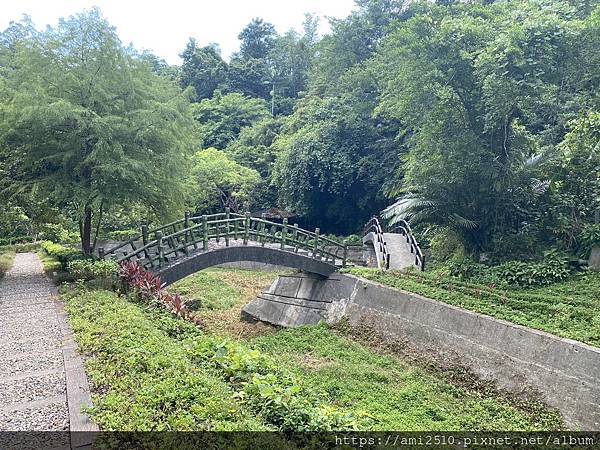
157, 247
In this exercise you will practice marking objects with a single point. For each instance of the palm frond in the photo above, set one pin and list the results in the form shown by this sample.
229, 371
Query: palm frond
462, 222
405, 207
539, 186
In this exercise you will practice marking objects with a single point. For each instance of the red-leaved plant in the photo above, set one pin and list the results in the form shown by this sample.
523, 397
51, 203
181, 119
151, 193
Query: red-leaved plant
149, 288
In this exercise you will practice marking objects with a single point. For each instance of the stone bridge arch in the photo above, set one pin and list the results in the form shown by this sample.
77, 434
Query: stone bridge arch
185, 266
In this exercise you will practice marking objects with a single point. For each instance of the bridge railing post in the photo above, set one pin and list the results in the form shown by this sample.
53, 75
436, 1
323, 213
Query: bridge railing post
295, 238
145, 234
345, 258
186, 235
161, 250
316, 243
227, 215
262, 230
145, 239
284, 233
247, 228
204, 232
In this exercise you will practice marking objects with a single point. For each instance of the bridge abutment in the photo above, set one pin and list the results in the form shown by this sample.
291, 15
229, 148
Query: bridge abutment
302, 299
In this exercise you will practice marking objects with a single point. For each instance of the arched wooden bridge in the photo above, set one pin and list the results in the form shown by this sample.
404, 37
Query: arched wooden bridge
193, 243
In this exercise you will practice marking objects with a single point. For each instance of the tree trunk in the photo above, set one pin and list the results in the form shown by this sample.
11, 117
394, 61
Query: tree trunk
86, 231
99, 221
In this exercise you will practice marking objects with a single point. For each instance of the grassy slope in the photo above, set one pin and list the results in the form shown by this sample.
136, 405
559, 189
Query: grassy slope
395, 395
138, 353
222, 295
143, 376
6, 261
569, 309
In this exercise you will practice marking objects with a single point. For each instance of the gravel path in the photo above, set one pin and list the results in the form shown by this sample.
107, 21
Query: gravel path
33, 388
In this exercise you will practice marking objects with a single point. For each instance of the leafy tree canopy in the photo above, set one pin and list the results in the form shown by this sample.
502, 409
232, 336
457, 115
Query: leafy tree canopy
218, 182
483, 93
203, 69
87, 122
222, 117
257, 39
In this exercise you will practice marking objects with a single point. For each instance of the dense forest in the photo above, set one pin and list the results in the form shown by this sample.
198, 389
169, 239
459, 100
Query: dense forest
479, 122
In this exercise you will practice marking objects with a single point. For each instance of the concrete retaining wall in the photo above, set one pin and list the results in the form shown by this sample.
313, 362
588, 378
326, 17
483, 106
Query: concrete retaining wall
565, 372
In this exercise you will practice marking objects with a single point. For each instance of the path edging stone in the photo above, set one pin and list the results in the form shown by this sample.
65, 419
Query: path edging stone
78, 389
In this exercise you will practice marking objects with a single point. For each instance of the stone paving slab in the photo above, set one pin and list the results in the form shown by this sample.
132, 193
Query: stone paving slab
30, 308
13, 292
52, 416
9, 317
14, 392
38, 360
18, 363
28, 344
17, 332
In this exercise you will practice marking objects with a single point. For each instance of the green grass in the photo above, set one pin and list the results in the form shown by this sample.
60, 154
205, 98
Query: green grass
50, 263
219, 289
142, 375
153, 371
390, 392
568, 309
6, 262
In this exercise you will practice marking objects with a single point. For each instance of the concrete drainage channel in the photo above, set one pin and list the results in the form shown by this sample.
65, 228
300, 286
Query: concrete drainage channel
566, 373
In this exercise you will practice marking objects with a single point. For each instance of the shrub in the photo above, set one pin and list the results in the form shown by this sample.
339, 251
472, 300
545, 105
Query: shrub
6, 261
465, 268
446, 244
514, 246
123, 235
56, 232
88, 269
589, 237
62, 253
149, 288
21, 248
279, 396
553, 268
15, 240
352, 239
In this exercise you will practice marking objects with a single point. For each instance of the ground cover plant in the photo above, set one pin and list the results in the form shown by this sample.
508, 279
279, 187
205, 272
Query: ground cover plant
144, 379
567, 309
6, 260
157, 372
397, 394
150, 370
